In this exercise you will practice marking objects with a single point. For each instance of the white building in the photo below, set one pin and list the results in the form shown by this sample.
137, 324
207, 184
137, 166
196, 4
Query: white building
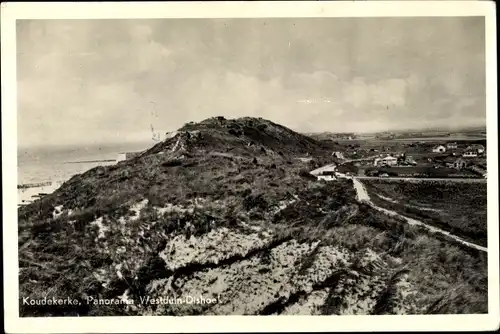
338, 155
327, 177
469, 154
126, 156
387, 161
439, 149
390, 161
478, 148
325, 169
326, 173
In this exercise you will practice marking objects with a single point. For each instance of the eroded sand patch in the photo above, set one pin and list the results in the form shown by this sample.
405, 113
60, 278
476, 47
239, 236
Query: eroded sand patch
212, 247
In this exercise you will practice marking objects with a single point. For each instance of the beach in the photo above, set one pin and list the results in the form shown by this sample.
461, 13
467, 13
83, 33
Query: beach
28, 195
41, 170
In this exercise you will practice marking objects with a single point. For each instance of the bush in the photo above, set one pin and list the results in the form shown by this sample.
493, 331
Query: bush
172, 163
234, 132
306, 175
255, 201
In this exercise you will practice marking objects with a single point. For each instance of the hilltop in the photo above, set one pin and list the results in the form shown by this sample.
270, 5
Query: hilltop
223, 208
245, 136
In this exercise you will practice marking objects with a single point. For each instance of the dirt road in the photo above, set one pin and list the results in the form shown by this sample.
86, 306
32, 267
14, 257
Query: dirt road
362, 196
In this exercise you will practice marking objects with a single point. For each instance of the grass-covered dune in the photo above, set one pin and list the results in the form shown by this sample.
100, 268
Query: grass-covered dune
235, 217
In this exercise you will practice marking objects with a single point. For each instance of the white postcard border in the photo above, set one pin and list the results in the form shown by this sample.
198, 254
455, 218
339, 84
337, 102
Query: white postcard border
13, 11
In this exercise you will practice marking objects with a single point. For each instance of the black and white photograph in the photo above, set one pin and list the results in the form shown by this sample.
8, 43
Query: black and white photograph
252, 165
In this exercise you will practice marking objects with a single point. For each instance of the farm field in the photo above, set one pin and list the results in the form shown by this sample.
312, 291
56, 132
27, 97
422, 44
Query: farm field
421, 171
459, 208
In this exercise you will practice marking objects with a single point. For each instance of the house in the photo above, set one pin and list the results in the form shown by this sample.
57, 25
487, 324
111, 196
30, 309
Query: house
327, 176
390, 161
330, 169
387, 161
460, 163
338, 155
126, 156
451, 146
409, 160
439, 149
476, 147
470, 154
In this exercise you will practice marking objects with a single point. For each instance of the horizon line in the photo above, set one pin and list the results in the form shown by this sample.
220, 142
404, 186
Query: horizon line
152, 142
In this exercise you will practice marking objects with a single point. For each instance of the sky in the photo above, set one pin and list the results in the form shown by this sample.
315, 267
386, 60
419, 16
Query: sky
106, 81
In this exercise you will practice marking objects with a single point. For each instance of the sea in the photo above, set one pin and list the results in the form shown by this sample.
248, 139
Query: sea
42, 169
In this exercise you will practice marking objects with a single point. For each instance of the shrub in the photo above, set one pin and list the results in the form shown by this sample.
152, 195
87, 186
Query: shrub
234, 132
255, 201
172, 163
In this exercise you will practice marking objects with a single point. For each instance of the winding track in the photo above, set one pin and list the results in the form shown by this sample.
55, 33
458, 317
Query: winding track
362, 196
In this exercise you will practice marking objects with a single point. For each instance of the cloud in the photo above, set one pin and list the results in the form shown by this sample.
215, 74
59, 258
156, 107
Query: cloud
390, 92
151, 54
356, 93
101, 79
